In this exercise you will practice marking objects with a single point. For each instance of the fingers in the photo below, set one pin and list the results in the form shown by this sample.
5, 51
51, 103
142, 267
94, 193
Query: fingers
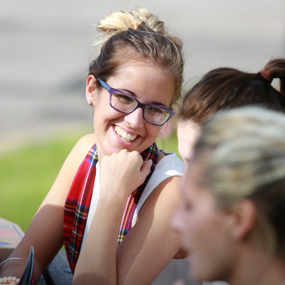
127, 169
145, 169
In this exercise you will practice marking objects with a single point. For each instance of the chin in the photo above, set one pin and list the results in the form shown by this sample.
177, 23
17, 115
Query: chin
199, 272
206, 276
193, 270
196, 276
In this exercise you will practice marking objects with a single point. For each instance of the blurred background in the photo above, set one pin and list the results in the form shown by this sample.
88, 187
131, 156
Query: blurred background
44, 54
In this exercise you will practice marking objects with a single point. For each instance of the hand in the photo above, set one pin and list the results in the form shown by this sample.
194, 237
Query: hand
121, 173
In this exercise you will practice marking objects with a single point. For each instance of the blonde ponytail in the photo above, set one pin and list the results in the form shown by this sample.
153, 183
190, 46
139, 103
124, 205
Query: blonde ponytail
122, 21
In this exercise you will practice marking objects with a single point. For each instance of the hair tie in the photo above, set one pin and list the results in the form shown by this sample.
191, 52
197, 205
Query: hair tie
265, 75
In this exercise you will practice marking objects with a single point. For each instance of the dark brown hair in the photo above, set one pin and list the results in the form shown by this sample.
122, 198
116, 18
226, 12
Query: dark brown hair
226, 88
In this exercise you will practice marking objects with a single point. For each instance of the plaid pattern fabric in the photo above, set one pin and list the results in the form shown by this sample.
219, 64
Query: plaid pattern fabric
79, 198
77, 206
133, 199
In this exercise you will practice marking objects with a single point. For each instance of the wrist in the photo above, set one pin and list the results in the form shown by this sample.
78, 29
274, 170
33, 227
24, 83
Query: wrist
113, 196
9, 279
6, 271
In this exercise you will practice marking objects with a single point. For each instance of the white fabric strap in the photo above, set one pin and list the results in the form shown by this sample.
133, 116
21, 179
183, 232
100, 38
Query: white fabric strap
170, 165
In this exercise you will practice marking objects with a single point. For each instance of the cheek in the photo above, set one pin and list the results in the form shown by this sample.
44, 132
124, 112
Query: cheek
104, 114
178, 221
201, 231
195, 228
189, 226
209, 236
152, 131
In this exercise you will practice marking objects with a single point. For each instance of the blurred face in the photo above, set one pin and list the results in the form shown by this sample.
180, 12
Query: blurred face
187, 133
115, 130
205, 230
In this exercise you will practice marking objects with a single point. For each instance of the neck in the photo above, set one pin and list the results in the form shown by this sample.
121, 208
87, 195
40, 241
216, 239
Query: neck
256, 267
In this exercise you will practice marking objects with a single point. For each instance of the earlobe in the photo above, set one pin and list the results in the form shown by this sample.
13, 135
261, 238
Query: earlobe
244, 218
90, 90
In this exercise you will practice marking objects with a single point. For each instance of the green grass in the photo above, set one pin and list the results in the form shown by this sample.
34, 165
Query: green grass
170, 144
26, 175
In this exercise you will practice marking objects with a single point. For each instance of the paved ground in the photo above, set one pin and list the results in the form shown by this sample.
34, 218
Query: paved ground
46, 46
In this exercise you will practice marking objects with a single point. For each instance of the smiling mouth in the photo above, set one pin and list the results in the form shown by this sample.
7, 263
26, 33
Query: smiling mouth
124, 135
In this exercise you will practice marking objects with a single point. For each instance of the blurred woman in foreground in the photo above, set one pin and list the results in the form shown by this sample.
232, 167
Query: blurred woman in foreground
232, 213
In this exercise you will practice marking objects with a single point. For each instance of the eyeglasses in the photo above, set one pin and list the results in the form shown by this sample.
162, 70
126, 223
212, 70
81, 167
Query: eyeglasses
127, 104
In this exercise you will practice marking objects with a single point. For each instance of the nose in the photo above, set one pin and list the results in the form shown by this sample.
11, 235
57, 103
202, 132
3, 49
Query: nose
177, 221
135, 119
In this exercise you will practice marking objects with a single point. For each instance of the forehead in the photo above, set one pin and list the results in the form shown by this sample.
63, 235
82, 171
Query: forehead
144, 79
187, 133
191, 175
192, 189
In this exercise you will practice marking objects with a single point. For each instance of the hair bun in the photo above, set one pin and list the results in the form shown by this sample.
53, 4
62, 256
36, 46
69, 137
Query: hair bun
122, 21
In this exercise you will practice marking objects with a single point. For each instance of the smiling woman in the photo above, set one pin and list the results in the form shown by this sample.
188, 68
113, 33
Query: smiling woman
135, 76
112, 200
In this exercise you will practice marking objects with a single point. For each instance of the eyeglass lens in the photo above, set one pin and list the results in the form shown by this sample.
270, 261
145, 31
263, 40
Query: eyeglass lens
127, 104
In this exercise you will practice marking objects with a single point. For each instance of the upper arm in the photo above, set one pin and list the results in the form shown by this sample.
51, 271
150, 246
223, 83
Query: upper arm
45, 232
151, 243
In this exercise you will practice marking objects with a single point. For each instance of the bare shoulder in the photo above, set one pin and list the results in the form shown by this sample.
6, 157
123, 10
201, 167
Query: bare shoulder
159, 209
63, 181
81, 148
87, 140
166, 193
78, 153
152, 242
165, 197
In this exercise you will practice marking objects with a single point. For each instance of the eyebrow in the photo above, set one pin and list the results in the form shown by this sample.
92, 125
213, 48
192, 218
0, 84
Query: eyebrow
134, 95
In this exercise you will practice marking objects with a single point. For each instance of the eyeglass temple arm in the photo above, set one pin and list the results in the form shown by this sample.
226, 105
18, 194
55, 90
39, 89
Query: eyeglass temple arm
103, 84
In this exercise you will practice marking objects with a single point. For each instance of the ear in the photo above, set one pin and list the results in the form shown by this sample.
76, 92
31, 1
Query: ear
244, 216
90, 89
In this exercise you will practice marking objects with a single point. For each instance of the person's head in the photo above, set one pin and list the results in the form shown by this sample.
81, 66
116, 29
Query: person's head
233, 192
140, 58
227, 88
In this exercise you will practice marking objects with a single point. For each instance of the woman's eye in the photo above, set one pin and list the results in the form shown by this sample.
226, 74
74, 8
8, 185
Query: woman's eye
123, 98
155, 111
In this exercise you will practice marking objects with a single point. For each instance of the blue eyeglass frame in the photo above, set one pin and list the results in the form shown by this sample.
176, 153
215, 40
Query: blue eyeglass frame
139, 104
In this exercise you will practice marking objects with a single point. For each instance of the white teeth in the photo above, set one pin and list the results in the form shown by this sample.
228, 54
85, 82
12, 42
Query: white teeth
124, 135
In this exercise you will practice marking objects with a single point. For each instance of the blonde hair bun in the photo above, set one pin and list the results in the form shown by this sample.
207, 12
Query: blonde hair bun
122, 21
